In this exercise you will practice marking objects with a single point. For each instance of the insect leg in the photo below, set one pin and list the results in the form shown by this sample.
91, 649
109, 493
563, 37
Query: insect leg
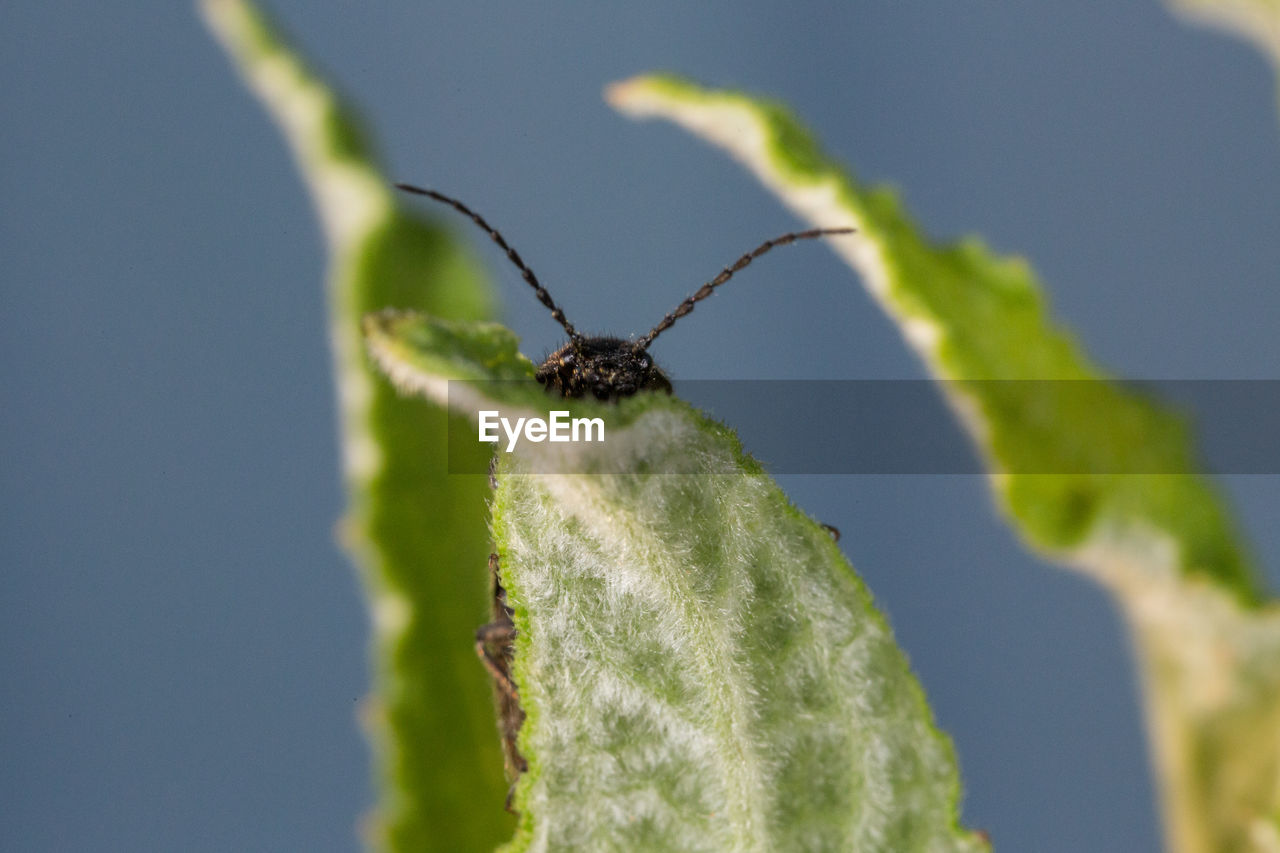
493, 641
494, 647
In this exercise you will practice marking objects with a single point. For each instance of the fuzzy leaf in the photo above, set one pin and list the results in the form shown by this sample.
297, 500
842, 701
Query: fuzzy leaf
417, 534
1208, 646
701, 668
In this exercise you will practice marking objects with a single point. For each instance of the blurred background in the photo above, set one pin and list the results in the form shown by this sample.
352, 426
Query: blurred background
183, 647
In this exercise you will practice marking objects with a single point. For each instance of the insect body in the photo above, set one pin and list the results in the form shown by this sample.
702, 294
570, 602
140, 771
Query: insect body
604, 367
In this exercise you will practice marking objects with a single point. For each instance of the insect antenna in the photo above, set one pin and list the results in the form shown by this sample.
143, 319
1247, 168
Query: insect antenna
726, 274
512, 254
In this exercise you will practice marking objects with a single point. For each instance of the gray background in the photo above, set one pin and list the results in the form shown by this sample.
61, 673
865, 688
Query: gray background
184, 647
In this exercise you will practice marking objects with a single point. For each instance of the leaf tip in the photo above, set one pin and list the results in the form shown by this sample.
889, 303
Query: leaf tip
623, 94
231, 21
643, 95
387, 354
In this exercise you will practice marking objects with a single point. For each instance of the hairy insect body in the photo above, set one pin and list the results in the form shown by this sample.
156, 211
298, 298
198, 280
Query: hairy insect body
604, 368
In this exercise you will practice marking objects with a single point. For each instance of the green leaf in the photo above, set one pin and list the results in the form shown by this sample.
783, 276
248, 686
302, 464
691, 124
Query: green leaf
1208, 646
700, 666
417, 534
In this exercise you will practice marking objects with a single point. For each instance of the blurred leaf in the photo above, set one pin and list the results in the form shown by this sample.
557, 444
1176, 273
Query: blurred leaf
1163, 544
700, 666
417, 534
1257, 21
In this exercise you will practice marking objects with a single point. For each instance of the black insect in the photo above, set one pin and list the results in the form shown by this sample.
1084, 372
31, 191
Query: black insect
610, 368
